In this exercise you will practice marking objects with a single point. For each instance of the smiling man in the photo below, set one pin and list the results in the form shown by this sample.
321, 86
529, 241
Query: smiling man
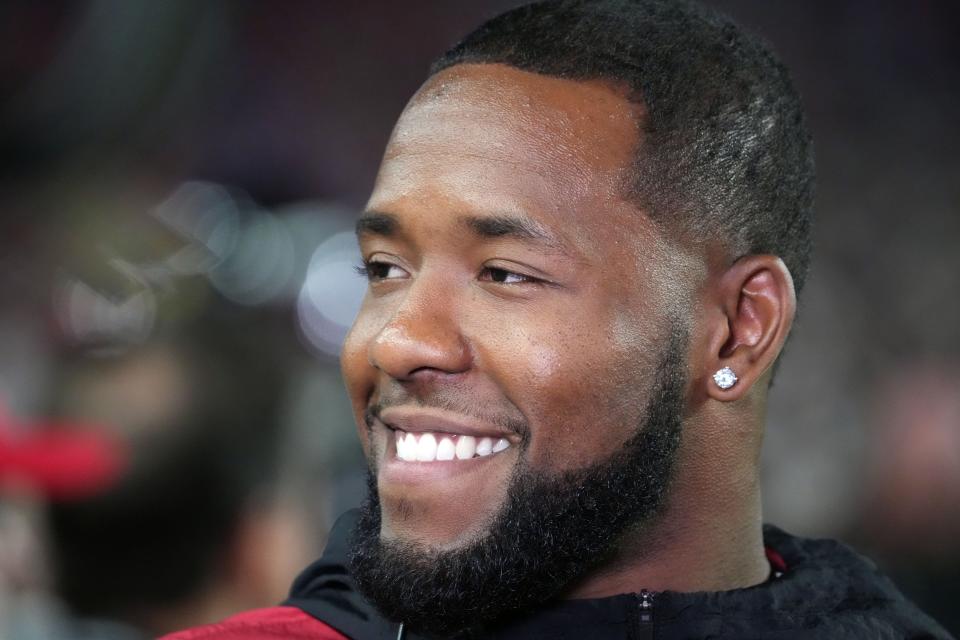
583, 250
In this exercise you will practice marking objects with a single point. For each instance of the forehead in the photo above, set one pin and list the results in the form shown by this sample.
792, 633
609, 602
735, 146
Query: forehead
495, 137
507, 109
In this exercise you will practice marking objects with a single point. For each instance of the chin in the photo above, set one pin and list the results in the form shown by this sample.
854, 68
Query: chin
433, 527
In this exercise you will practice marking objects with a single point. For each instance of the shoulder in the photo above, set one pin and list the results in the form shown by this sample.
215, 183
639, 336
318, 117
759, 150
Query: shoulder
262, 624
829, 587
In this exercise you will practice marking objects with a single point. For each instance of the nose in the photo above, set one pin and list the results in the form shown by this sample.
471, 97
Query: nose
422, 338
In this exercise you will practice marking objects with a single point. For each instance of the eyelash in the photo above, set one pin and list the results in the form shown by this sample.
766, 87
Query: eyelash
366, 269
369, 270
524, 278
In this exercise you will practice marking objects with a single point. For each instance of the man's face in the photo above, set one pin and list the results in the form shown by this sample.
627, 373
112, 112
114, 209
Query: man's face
515, 295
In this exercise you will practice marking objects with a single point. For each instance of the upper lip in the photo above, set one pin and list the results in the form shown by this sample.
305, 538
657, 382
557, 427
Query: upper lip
418, 419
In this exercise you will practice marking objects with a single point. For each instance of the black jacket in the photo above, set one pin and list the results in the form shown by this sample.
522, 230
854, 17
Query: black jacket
826, 592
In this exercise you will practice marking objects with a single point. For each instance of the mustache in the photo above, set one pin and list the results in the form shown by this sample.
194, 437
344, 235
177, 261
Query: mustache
458, 403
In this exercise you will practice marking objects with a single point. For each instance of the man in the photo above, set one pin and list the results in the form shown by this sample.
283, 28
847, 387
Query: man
583, 247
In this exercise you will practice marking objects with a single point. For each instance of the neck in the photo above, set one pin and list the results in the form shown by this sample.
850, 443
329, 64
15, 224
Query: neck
703, 541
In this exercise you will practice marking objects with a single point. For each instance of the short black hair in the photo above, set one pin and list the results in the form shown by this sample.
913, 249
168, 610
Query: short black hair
724, 151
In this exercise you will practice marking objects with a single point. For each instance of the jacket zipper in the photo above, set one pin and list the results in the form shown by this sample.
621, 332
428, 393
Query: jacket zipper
645, 620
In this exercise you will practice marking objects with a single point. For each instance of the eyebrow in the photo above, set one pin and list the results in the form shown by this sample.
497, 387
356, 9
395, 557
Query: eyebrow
377, 223
516, 227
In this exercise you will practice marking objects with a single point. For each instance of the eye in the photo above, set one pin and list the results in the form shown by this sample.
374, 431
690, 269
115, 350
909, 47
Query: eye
376, 270
503, 276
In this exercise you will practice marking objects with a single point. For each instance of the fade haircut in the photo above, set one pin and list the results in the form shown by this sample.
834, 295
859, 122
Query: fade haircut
724, 149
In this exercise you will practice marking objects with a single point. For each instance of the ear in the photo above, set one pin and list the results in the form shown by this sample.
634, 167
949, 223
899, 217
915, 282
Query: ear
757, 304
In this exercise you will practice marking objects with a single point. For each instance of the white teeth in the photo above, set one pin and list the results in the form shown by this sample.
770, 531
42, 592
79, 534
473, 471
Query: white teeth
485, 446
411, 447
427, 448
406, 446
400, 439
466, 447
446, 449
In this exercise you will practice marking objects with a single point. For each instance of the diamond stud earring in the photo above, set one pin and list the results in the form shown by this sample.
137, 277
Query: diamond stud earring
725, 378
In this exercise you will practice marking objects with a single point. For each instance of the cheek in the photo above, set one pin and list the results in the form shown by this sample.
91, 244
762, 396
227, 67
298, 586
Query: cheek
353, 355
580, 387
358, 375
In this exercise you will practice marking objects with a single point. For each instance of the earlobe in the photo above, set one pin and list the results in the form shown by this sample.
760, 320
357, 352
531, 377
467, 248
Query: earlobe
757, 303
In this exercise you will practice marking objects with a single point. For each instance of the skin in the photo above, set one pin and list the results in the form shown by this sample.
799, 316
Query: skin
515, 286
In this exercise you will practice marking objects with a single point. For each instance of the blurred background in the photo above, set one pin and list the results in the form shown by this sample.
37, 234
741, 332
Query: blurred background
177, 186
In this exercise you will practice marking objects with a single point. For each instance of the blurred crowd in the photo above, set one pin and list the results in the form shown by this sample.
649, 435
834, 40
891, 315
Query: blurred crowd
177, 187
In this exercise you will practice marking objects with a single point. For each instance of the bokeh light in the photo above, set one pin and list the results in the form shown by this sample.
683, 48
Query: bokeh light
332, 293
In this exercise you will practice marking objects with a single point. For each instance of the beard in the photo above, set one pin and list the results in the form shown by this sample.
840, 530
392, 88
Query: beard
552, 530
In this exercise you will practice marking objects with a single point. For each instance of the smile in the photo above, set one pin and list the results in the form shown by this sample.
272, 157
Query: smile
431, 447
